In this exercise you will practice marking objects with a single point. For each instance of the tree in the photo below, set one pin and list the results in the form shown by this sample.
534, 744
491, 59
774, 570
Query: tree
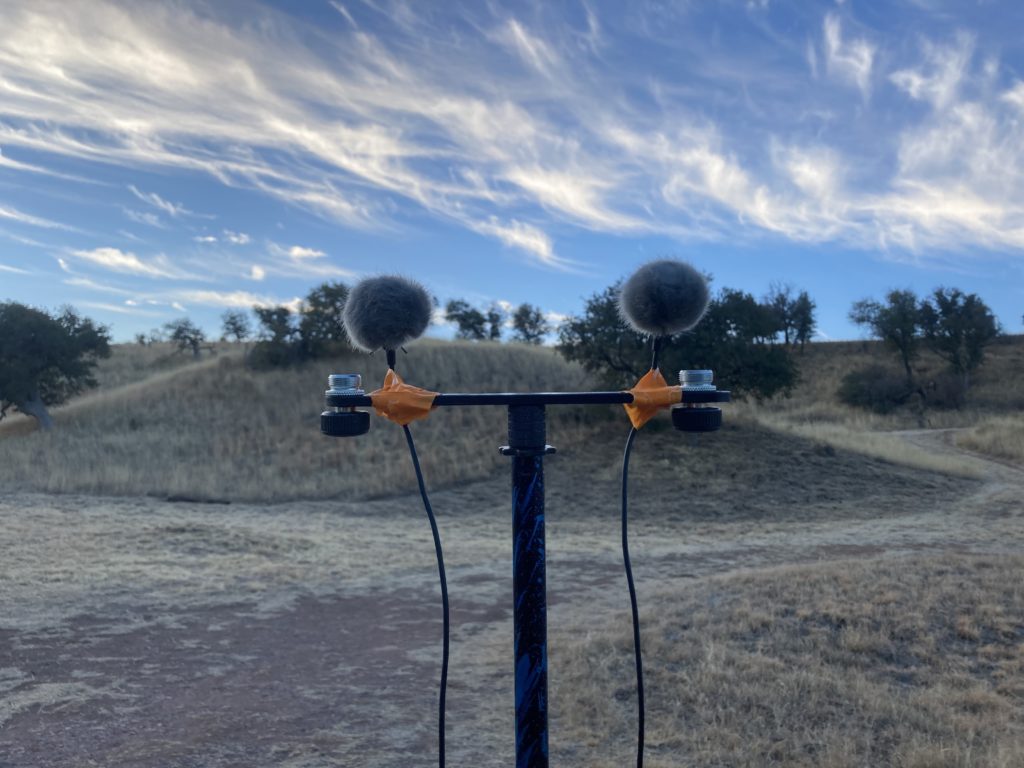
803, 319
958, 327
317, 330
186, 335
780, 299
470, 323
321, 328
897, 322
275, 324
745, 318
529, 325
277, 335
730, 339
45, 359
602, 343
794, 314
495, 320
235, 325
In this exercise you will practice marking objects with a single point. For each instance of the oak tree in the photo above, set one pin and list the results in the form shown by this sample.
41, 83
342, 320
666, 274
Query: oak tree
45, 359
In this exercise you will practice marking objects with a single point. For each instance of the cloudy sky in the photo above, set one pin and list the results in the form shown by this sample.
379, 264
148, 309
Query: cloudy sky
159, 159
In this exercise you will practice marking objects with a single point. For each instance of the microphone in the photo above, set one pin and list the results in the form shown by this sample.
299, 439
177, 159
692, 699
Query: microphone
664, 297
386, 312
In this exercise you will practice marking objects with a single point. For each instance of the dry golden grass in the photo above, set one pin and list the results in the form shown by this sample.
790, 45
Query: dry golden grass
215, 429
163, 424
1002, 437
888, 446
130, 363
897, 662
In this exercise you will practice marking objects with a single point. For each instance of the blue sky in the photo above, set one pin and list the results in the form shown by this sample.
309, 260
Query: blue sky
181, 158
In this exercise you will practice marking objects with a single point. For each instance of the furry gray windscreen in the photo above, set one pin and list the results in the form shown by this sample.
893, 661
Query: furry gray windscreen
664, 297
386, 312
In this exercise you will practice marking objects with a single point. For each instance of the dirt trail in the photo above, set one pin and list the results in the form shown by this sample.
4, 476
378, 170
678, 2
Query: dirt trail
18, 424
943, 442
141, 633
1002, 479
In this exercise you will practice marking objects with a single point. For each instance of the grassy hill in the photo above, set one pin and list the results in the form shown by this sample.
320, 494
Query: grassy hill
162, 424
214, 429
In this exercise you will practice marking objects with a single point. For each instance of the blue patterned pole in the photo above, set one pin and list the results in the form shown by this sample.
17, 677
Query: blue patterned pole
526, 435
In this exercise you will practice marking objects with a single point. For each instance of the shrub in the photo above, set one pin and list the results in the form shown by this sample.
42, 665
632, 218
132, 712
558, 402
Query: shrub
877, 388
946, 390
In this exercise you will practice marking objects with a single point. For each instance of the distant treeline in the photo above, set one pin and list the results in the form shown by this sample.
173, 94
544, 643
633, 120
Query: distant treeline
958, 327
748, 342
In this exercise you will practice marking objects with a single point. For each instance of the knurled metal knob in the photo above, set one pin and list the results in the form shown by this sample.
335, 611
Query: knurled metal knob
344, 423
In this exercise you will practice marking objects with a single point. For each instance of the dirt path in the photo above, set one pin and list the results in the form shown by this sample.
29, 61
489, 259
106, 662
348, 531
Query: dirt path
142, 633
1002, 480
18, 424
943, 442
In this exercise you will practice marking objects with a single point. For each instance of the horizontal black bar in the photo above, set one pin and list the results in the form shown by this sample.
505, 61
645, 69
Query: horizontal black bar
531, 398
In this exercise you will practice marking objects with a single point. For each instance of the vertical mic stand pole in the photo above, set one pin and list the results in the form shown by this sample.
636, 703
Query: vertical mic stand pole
526, 446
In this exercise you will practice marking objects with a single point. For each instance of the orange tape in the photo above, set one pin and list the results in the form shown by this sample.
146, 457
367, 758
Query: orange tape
650, 395
400, 402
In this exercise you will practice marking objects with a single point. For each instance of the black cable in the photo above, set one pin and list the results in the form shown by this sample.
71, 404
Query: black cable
444, 594
655, 351
632, 598
637, 652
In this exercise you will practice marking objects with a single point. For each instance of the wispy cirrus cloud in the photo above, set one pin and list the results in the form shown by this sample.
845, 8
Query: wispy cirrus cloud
301, 252
226, 299
17, 165
174, 210
127, 263
178, 299
554, 127
94, 285
937, 80
526, 237
533, 50
850, 59
226, 236
299, 260
13, 214
1014, 95
236, 238
148, 218
122, 309
17, 238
